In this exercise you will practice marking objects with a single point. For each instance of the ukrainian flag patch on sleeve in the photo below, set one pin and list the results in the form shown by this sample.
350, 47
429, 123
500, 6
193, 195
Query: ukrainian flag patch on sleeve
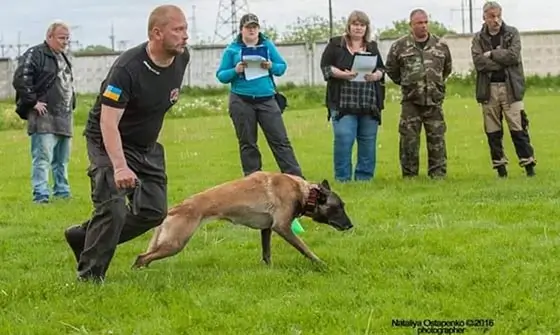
112, 92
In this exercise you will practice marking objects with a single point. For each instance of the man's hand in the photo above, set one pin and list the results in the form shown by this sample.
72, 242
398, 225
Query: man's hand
374, 76
125, 178
266, 65
41, 108
487, 54
240, 67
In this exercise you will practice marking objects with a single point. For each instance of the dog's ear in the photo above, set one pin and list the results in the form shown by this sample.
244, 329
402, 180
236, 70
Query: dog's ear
325, 184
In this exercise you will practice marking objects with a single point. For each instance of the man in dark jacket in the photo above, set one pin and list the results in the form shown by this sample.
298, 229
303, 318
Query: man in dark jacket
43, 83
500, 87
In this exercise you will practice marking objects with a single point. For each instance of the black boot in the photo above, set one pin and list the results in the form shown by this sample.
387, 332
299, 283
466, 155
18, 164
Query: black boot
502, 171
76, 237
530, 170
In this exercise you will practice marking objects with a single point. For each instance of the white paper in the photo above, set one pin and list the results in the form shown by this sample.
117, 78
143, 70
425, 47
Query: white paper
363, 64
254, 69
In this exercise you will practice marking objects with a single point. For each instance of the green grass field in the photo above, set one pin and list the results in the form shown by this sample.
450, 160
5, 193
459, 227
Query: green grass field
469, 247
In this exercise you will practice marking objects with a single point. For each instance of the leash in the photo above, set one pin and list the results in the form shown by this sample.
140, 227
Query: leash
133, 205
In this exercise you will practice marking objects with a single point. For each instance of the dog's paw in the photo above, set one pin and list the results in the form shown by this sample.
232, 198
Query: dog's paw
139, 263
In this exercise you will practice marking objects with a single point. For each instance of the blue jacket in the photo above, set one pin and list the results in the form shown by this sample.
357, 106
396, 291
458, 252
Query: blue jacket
261, 87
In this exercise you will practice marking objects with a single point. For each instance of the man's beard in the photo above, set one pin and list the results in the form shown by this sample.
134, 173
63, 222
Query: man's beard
173, 50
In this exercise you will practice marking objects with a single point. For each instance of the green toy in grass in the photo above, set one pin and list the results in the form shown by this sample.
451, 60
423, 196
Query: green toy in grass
296, 227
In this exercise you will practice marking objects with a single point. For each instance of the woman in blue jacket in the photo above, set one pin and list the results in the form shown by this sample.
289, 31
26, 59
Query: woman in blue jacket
252, 102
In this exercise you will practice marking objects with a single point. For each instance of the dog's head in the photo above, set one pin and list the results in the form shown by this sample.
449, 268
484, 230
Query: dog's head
329, 208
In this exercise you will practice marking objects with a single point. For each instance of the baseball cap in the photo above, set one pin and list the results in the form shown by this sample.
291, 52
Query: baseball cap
248, 19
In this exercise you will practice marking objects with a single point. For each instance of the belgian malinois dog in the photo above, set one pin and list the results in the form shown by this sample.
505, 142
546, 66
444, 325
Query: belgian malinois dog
262, 200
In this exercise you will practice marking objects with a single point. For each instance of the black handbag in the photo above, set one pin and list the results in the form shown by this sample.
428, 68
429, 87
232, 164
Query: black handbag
282, 101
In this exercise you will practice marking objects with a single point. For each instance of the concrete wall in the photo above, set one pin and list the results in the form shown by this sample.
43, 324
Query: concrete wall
541, 52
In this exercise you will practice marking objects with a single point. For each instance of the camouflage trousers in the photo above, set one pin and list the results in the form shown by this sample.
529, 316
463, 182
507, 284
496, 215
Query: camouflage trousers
410, 126
494, 112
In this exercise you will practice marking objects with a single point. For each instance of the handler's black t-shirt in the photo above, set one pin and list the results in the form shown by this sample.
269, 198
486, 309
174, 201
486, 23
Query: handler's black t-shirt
145, 91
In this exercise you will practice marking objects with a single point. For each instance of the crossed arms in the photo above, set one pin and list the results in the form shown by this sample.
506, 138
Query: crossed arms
497, 59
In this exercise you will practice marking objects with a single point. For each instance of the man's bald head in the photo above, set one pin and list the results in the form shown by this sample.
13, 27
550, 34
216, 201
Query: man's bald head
162, 15
167, 29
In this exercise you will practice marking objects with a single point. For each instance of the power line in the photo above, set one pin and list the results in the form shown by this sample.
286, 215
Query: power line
6, 49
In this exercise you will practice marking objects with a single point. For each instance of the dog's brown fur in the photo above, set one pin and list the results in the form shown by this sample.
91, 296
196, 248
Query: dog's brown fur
263, 200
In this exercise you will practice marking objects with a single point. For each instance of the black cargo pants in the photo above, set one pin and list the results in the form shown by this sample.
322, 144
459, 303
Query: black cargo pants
113, 220
497, 109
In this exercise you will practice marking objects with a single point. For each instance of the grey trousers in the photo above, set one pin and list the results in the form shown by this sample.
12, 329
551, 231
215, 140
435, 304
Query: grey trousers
246, 115
113, 221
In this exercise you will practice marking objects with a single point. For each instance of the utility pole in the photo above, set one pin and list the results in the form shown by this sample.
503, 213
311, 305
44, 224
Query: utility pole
471, 15
330, 19
472, 10
462, 10
19, 45
228, 11
2, 45
112, 36
74, 42
192, 18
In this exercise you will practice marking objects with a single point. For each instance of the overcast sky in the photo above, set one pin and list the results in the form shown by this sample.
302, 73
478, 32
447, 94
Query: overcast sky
92, 18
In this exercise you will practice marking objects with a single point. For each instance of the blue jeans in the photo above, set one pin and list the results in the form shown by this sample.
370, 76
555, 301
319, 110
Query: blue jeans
347, 130
49, 151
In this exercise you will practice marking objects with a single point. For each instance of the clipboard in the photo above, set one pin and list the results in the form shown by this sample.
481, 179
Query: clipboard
254, 56
362, 64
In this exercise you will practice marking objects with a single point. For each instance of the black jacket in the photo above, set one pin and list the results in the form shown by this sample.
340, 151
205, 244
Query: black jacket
508, 58
333, 55
34, 76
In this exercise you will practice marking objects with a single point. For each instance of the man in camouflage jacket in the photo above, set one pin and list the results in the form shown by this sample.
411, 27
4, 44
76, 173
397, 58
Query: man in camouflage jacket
500, 88
420, 63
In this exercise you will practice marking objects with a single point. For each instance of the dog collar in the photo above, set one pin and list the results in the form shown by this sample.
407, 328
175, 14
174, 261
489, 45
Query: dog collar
311, 202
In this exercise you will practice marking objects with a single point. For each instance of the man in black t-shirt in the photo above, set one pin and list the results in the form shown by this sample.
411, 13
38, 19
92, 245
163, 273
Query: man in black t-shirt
126, 161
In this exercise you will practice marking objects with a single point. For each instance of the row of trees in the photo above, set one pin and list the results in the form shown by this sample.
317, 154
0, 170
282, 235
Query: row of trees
311, 29
317, 28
